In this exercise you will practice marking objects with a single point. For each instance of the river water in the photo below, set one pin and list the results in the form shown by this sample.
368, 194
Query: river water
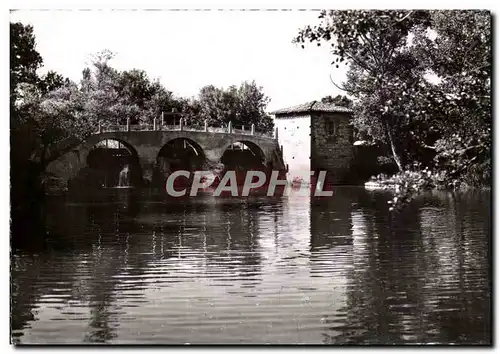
137, 269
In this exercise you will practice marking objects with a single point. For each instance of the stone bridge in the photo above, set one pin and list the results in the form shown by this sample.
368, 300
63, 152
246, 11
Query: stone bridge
145, 143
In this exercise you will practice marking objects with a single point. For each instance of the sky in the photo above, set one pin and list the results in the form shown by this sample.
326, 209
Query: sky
187, 50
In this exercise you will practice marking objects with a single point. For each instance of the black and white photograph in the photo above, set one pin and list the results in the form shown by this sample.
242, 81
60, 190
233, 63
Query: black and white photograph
250, 176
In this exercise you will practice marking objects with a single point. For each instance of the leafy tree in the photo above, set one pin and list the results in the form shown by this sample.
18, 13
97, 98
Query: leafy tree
243, 105
391, 55
216, 106
24, 59
373, 44
160, 101
460, 102
35, 129
52, 81
30, 128
105, 99
50, 113
252, 105
120, 95
47, 113
190, 108
339, 100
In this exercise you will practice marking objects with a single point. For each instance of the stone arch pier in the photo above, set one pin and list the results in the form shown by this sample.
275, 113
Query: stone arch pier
203, 150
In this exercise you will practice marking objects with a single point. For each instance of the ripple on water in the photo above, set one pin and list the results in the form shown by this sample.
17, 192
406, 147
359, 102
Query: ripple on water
336, 271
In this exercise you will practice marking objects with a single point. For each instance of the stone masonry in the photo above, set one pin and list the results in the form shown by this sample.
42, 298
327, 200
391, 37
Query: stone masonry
146, 146
328, 140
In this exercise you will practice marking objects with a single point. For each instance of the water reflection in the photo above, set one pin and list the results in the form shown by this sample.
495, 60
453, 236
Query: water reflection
135, 268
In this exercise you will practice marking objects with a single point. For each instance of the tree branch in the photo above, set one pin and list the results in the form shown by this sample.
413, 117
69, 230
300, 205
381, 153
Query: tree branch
360, 64
408, 14
337, 86
346, 89
370, 44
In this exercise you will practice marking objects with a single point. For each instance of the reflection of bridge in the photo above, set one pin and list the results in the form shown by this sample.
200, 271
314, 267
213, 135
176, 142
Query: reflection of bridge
145, 142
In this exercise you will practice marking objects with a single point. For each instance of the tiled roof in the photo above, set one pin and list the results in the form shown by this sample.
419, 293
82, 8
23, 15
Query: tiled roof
314, 106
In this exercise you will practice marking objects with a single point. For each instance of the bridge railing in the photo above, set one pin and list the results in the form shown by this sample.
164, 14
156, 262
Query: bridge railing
180, 127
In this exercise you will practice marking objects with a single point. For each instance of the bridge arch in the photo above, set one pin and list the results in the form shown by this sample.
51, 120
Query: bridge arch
206, 148
111, 142
110, 162
180, 153
243, 155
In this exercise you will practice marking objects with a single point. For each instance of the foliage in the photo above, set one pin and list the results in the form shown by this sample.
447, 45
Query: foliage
460, 56
24, 59
373, 44
30, 130
420, 81
408, 184
339, 100
117, 96
243, 105
49, 110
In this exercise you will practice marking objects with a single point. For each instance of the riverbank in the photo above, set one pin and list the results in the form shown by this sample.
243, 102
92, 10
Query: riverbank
409, 184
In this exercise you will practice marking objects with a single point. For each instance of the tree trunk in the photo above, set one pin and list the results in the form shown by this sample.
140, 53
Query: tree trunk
395, 155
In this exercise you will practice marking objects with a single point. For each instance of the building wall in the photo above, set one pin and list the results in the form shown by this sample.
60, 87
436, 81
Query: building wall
294, 134
332, 151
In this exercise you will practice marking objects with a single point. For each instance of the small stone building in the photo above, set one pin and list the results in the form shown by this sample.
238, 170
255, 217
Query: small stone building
316, 136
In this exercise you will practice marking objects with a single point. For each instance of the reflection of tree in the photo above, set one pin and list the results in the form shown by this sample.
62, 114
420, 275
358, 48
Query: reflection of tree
98, 276
87, 254
458, 241
36, 274
100, 288
331, 220
23, 292
33, 277
420, 276
381, 280
417, 276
